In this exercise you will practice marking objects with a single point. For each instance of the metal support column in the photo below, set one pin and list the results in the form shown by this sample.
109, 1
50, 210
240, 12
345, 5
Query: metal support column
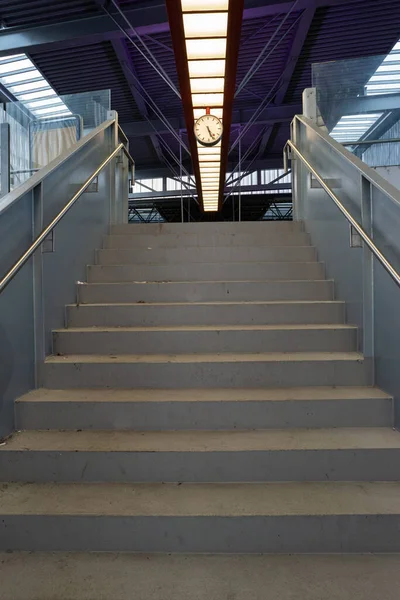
112, 114
4, 158
38, 286
368, 272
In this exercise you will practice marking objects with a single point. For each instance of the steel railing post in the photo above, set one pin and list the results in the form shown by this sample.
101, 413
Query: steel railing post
367, 270
4, 158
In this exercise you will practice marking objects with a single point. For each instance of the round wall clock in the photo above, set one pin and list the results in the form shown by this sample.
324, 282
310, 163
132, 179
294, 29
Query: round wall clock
208, 130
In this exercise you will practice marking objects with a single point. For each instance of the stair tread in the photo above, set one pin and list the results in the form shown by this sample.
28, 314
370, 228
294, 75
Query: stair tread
197, 328
200, 499
211, 303
204, 441
204, 395
214, 262
206, 358
258, 281
207, 246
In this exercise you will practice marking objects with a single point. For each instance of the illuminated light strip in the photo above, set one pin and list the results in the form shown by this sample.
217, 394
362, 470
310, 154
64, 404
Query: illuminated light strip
207, 74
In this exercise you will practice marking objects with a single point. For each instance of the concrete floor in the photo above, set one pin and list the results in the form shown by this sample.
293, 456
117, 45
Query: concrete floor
61, 576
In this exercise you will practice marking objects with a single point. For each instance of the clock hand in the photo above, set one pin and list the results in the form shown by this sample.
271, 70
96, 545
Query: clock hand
209, 131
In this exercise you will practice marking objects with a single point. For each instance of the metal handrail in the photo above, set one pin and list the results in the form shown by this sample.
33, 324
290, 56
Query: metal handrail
370, 142
375, 251
40, 239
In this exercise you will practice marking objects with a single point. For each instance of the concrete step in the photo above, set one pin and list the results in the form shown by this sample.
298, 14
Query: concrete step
203, 254
134, 239
231, 271
205, 338
203, 518
360, 454
205, 370
197, 409
207, 228
204, 291
205, 313
174, 576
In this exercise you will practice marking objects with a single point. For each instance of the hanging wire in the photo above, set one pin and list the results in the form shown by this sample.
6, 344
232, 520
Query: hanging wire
143, 93
260, 60
152, 60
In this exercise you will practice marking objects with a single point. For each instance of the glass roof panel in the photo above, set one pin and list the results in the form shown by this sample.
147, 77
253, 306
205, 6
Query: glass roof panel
16, 65
19, 77
30, 87
385, 80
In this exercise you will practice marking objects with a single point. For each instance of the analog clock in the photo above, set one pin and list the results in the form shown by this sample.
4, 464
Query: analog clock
208, 130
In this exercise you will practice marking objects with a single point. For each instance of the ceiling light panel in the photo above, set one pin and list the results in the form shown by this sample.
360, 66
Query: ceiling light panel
205, 100
202, 25
204, 49
209, 164
207, 85
209, 158
205, 150
206, 5
207, 68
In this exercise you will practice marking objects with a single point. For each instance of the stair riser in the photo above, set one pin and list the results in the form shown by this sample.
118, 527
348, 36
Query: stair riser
178, 342
63, 375
205, 292
196, 466
229, 227
161, 416
206, 272
258, 534
213, 314
172, 256
185, 240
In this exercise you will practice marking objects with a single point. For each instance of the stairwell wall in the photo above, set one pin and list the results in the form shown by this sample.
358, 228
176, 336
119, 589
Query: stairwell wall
33, 304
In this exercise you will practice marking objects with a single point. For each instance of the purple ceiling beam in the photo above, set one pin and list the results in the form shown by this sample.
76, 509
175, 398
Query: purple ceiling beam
149, 18
291, 62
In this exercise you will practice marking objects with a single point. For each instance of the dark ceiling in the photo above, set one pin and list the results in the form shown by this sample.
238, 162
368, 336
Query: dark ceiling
79, 48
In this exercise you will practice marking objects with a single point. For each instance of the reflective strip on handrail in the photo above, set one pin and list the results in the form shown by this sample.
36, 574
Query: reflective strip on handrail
40, 239
375, 251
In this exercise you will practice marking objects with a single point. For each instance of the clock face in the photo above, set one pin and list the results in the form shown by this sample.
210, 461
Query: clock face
208, 130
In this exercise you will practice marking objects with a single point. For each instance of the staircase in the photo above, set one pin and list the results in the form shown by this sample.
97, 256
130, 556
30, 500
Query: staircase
206, 395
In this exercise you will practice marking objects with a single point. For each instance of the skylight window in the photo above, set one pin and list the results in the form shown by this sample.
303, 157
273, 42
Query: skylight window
353, 127
385, 80
20, 76
15, 65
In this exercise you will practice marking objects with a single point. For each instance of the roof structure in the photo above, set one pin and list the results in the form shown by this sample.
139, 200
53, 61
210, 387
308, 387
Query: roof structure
79, 46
